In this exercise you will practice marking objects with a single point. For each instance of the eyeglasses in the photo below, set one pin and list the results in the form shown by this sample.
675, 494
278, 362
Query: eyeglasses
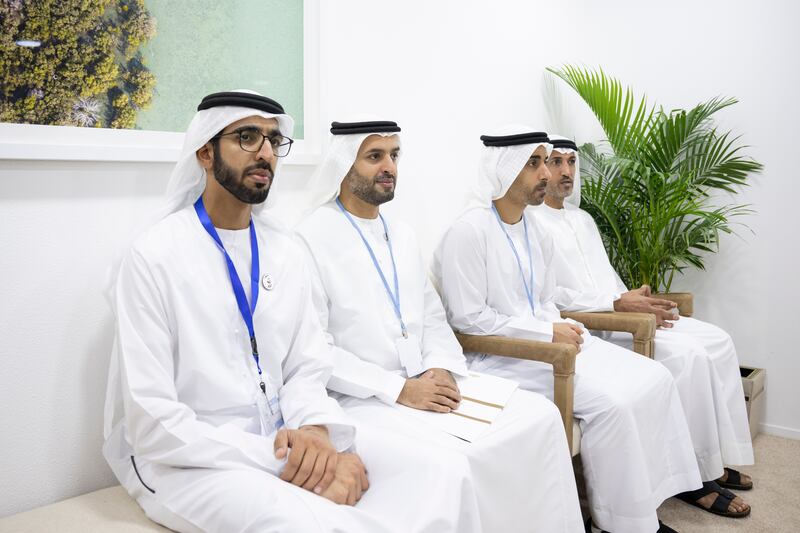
251, 140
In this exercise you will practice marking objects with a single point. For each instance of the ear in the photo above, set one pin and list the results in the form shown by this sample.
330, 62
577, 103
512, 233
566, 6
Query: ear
205, 156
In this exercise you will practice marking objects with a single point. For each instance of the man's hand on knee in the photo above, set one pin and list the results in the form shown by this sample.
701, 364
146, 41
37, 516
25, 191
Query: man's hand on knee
434, 390
312, 459
350, 481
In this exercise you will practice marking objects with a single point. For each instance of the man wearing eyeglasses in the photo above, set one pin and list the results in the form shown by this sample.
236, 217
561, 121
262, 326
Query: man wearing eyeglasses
217, 418
252, 183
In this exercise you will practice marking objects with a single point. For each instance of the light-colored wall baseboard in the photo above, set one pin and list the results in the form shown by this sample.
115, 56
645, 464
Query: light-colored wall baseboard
780, 431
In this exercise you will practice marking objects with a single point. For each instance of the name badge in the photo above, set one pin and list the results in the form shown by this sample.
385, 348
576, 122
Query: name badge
270, 408
275, 420
408, 348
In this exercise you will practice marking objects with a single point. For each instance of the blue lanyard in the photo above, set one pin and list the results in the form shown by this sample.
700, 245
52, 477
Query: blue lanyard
238, 291
527, 283
394, 297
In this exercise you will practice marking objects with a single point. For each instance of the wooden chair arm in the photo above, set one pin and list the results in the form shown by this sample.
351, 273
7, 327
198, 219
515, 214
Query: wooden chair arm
561, 356
641, 325
685, 301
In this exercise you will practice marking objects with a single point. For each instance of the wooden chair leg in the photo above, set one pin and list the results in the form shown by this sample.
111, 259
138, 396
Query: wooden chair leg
563, 397
643, 347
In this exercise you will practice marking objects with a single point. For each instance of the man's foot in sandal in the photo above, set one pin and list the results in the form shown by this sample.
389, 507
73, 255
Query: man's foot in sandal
735, 480
716, 500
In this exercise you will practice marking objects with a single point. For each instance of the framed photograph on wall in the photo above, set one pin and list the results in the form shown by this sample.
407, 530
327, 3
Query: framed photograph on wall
119, 80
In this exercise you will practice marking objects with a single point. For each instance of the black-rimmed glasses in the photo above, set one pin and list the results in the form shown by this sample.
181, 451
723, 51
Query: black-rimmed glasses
251, 140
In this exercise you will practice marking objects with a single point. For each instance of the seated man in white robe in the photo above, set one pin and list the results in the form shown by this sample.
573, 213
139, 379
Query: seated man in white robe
494, 270
393, 346
700, 356
217, 416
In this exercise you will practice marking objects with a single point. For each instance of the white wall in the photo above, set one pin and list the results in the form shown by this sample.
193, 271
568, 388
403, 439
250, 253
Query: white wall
447, 71
59, 223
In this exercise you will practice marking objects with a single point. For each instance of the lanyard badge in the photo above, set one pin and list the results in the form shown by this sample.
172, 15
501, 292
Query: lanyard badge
528, 284
238, 291
408, 347
394, 297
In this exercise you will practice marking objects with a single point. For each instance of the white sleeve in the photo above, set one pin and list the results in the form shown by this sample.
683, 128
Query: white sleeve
351, 375
548, 306
440, 349
570, 299
464, 288
306, 370
160, 427
621, 288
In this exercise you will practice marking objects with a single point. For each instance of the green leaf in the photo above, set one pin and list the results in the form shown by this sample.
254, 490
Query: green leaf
650, 192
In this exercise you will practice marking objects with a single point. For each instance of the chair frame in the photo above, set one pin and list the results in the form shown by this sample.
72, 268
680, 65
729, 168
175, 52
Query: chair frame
561, 356
642, 326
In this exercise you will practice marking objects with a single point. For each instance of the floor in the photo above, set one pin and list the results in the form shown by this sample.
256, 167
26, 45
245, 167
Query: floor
775, 498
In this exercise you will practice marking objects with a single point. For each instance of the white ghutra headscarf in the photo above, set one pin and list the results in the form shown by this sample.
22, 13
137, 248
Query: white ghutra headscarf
345, 140
567, 146
505, 153
188, 179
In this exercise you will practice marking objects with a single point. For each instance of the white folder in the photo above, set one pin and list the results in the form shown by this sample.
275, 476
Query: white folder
482, 400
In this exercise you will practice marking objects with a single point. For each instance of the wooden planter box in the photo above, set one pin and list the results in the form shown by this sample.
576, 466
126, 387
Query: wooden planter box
753, 385
685, 301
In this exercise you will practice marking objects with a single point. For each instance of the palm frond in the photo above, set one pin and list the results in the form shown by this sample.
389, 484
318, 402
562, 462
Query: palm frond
716, 163
624, 121
670, 132
651, 194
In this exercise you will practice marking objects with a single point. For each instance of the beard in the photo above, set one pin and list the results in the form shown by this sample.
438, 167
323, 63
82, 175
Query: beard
560, 190
227, 177
536, 195
364, 188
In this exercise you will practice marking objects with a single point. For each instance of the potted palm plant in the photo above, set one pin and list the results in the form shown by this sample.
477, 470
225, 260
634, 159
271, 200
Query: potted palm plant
649, 183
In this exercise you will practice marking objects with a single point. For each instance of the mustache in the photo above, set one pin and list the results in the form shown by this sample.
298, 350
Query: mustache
386, 175
260, 166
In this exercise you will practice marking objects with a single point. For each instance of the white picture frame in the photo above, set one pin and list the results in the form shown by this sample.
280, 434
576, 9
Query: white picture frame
69, 143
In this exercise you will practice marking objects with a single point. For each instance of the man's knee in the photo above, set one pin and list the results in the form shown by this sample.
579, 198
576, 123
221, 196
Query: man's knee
447, 463
237, 500
534, 406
